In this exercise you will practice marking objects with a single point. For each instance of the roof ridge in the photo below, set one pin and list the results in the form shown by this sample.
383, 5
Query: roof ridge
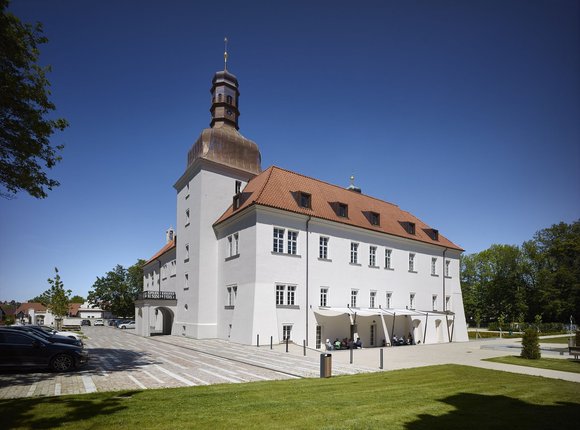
271, 168
333, 185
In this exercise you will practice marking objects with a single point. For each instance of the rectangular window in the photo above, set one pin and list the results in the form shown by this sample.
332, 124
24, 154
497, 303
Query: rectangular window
411, 262
323, 248
412, 301
433, 266
292, 239
186, 285
286, 332
318, 336
389, 299
354, 253
232, 294
164, 271
186, 217
230, 246
447, 262
343, 210
186, 251
324, 297
373, 256
375, 218
447, 303
173, 268
372, 298
353, 296
305, 200
278, 240
291, 295
388, 253
238, 187
434, 300
236, 244
280, 294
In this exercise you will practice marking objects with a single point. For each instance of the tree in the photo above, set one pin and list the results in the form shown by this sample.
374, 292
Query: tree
77, 299
25, 128
56, 297
117, 290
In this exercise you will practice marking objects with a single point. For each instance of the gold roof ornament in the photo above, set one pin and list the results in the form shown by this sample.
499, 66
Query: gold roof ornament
225, 53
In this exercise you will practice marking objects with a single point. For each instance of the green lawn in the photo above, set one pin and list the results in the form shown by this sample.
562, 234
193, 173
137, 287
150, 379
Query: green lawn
562, 340
567, 365
448, 396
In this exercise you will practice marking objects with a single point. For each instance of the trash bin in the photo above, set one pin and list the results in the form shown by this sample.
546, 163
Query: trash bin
325, 365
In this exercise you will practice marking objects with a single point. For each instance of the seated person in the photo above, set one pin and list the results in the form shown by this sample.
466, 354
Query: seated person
395, 340
358, 343
344, 343
337, 344
329, 346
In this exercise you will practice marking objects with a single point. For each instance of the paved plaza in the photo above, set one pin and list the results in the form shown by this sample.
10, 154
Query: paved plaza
120, 360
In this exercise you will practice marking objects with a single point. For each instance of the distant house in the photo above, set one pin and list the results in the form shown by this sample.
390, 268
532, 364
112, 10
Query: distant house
7, 311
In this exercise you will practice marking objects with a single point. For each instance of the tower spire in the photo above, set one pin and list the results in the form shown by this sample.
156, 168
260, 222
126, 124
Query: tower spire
225, 53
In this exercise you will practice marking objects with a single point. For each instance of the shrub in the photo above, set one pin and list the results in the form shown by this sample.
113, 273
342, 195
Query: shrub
530, 345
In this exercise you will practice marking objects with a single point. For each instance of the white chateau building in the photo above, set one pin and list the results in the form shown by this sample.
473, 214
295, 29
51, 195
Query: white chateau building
275, 254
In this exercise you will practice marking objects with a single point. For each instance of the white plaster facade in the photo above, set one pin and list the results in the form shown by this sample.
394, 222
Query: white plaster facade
227, 273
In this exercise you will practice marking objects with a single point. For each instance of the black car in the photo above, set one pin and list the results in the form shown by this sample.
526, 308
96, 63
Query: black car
85, 322
53, 338
19, 348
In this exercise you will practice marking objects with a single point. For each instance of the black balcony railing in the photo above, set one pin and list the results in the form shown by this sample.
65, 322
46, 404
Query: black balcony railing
156, 295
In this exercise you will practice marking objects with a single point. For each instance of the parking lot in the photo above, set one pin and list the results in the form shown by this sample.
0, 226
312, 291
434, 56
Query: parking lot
121, 360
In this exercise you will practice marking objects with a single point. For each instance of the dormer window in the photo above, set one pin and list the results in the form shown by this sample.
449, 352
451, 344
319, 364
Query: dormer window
236, 202
305, 200
374, 218
434, 234
343, 210
238, 187
410, 227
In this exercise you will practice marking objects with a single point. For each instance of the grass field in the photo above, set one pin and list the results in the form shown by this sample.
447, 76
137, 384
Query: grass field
562, 340
449, 397
566, 365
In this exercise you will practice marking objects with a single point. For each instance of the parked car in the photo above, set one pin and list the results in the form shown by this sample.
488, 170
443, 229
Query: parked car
113, 323
52, 338
50, 330
129, 324
85, 322
19, 348
99, 322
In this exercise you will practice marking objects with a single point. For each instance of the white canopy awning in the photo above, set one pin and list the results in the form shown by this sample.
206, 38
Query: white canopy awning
365, 312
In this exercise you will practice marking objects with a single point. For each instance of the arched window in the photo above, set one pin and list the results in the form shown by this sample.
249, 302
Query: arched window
229, 99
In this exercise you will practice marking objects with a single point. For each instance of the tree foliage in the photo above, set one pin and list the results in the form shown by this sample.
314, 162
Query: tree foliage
25, 126
77, 299
117, 290
540, 279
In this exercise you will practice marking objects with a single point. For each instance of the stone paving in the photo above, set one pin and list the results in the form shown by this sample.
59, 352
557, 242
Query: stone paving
121, 360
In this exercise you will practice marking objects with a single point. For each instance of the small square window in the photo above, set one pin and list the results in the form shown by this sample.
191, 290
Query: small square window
305, 200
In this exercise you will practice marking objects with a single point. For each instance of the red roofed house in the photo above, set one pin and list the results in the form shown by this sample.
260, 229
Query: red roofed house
280, 255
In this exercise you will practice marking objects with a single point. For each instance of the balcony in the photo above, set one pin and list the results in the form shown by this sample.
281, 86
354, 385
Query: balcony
156, 295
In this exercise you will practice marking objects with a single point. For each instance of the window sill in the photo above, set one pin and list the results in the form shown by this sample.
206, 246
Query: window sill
355, 264
374, 267
173, 276
228, 307
187, 224
435, 275
447, 277
413, 271
185, 288
325, 259
186, 197
389, 268
232, 257
186, 260
287, 307
286, 254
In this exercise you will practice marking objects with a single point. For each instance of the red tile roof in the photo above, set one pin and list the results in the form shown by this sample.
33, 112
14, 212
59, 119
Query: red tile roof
24, 307
73, 309
168, 246
281, 189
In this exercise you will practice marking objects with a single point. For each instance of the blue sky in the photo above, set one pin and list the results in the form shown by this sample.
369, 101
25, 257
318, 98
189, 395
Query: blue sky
465, 113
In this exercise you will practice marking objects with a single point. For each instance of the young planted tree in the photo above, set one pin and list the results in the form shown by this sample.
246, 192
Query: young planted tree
58, 298
531, 345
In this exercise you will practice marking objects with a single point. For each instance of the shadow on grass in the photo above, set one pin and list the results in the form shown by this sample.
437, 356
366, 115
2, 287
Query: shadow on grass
476, 411
20, 413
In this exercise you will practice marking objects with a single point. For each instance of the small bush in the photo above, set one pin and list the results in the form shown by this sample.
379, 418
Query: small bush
530, 345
